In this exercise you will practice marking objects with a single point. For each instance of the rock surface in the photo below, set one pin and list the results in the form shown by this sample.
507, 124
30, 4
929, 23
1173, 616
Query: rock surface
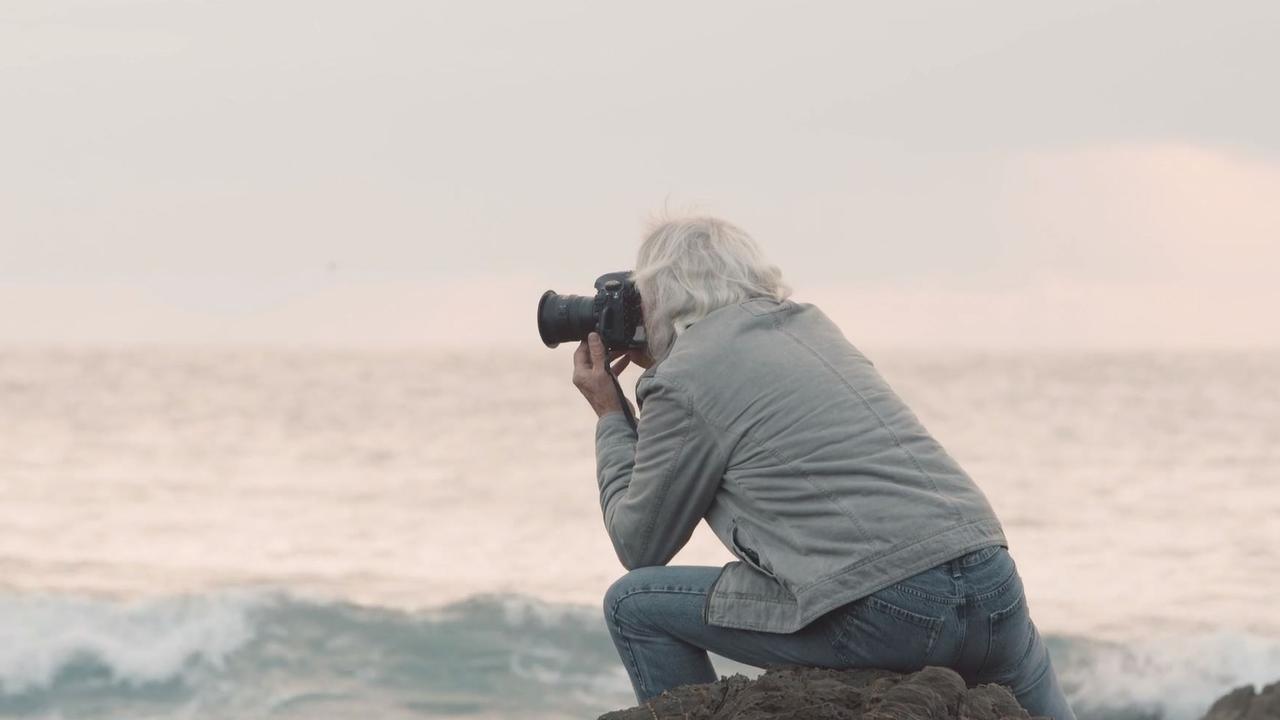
1245, 704
800, 693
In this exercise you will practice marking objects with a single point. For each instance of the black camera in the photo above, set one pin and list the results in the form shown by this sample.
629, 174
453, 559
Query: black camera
614, 312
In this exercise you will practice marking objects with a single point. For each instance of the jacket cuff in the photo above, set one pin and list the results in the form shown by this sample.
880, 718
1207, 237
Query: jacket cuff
613, 428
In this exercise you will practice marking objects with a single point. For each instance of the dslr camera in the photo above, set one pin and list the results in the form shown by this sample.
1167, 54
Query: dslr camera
614, 313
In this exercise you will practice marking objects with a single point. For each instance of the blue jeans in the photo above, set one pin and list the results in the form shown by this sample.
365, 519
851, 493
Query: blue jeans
968, 614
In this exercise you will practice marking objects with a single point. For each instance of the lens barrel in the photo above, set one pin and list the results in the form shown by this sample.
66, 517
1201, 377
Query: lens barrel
565, 318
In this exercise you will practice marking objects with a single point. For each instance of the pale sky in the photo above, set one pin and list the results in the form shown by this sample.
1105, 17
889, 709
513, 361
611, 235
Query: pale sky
407, 173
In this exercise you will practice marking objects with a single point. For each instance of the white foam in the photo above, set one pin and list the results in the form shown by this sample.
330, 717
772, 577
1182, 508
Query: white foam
137, 642
1176, 676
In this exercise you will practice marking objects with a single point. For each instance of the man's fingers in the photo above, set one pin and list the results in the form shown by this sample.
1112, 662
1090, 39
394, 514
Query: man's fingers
597, 351
582, 356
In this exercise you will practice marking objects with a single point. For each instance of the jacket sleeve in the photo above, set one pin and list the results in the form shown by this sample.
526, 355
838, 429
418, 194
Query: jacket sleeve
656, 485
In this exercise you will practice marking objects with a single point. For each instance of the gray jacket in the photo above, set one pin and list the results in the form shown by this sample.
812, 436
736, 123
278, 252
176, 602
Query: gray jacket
767, 422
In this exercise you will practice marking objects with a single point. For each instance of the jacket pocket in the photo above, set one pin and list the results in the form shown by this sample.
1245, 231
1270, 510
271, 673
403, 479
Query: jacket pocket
743, 547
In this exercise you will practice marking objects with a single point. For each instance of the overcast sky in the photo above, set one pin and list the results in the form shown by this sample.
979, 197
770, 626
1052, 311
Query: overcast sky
988, 175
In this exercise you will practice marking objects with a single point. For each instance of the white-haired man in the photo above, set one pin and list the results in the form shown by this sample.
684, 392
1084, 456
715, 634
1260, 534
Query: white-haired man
860, 541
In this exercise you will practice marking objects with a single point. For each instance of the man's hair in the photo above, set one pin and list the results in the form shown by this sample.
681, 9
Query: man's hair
689, 266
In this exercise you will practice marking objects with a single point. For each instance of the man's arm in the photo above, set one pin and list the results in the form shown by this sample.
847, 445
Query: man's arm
655, 489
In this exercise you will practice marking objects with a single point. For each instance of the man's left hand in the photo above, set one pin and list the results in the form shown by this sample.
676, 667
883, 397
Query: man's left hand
591, 377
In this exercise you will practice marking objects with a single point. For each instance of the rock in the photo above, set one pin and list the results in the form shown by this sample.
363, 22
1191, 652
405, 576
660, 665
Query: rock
803, 693
1244, 703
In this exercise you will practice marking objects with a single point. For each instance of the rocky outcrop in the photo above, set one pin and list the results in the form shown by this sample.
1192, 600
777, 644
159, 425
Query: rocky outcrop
1245, 703
799, 693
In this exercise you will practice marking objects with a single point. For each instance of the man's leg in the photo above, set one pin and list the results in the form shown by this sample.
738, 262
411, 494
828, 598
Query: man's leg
655, 617
1036, 684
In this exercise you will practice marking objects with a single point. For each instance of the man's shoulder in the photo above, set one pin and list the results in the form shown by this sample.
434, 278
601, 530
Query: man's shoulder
722, 325
723, 340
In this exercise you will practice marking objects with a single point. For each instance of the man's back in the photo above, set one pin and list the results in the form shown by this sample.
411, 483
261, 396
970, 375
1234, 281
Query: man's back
831, 487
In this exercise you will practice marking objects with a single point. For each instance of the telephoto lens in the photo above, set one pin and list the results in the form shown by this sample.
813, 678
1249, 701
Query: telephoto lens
565, 318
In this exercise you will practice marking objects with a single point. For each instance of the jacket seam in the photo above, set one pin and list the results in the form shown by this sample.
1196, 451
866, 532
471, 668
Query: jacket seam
896, 440
797, 471
881, 555
792, 465
747, 625
706, 603
751, 596
647, 537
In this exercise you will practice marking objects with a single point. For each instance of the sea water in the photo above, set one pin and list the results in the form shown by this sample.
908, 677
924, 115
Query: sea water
217, 533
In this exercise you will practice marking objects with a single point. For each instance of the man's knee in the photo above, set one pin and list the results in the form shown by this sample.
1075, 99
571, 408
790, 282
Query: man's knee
627, 585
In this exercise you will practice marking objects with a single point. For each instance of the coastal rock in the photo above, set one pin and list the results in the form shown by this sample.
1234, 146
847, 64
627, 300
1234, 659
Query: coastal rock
1244, 703
802, 693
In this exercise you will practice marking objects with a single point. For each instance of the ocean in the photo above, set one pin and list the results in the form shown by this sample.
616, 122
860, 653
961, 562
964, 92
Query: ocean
251, 533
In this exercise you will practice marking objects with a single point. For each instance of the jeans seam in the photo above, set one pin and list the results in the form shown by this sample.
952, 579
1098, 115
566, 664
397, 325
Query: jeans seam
999, 589
1044, 669
902, 613
837, 644
626, 639
940, 599
933, 638
644, 687
635, 665
993, 637
933, 625
969, 561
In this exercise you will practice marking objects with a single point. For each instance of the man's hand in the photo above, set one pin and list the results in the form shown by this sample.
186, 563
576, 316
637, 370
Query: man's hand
592, 379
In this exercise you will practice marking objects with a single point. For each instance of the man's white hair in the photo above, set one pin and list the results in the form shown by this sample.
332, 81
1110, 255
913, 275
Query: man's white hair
689, 266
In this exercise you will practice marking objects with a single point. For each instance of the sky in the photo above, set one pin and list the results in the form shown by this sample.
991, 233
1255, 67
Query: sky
997, 175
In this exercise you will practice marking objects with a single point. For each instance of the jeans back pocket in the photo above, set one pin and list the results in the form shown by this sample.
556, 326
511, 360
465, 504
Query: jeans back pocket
887, 629
1009, 634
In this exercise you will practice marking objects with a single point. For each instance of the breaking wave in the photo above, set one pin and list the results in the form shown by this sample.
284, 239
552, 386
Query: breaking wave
250, 654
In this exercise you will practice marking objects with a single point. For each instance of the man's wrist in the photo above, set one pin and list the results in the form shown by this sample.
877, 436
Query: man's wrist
605, 405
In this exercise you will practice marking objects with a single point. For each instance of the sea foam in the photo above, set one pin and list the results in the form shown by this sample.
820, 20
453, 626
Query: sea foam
249, 653
136, 642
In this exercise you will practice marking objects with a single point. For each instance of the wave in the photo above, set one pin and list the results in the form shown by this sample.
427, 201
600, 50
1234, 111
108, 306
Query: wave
249, 654
46, 637
1174, 677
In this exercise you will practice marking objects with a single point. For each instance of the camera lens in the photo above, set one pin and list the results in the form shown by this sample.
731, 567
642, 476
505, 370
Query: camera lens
564, 318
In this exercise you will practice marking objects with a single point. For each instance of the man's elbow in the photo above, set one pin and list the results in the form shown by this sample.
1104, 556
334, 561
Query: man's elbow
636, 542
642, 561
637, 556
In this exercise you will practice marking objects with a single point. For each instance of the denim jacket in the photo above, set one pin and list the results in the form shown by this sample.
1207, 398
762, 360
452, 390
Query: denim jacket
764, 420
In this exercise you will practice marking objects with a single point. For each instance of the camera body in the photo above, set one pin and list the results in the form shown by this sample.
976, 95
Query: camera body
614, 312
